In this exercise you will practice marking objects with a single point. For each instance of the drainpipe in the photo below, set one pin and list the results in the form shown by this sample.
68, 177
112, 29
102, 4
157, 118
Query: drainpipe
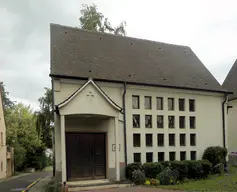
124, 123
223, 124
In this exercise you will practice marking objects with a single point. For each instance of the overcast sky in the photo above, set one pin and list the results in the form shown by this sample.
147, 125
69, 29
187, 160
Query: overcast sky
209, 27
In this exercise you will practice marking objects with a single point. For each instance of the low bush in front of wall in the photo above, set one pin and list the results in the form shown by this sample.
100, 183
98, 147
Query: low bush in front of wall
206, 167
130, 168
195, 170
181, 167
152, 169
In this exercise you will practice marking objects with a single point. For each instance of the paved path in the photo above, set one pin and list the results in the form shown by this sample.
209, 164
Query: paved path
136, 189
21, 183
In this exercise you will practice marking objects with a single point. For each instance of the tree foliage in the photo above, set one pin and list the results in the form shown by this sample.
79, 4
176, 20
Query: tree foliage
7, 102
93, 20
44, 118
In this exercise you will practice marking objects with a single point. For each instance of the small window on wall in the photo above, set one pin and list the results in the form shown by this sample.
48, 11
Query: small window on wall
148, 121
191, 105
193, 155
136, 121
182, 122
161, 156
193, 139
137, 157
160, 140
170, 104
181, 104
149, 140
159, 103
1, 138
182, 155
192, 121
149, 157
160, 121
171, 139
147, 102
171, 120
135, 102
182, 138
136, 140
172, 156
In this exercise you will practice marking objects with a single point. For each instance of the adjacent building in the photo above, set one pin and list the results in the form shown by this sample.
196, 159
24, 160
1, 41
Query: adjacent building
230, 83
120, 100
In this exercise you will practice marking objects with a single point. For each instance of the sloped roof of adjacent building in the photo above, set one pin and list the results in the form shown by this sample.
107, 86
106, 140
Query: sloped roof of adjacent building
79, 53
230, 82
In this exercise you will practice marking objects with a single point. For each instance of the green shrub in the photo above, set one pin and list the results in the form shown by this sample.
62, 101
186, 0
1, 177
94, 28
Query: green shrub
181, 167
215, 155
206, 167
152, 169
165, 163
138, 177
155, 182
168, 177
194, 169
132, 167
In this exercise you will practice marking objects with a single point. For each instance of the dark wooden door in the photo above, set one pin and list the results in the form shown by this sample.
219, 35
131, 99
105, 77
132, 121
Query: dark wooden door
85, 154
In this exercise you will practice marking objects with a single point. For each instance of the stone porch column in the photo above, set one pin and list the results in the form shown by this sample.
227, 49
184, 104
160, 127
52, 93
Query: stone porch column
117, 159
63, 148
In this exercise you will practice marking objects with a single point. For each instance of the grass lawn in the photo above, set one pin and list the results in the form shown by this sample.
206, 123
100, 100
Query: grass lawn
213, 183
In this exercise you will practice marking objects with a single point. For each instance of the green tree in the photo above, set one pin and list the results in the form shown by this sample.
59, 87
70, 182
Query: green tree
7, 102
92, 20
44, 118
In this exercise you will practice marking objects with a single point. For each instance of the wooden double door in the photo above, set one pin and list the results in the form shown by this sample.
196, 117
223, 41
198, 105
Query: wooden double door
86, 156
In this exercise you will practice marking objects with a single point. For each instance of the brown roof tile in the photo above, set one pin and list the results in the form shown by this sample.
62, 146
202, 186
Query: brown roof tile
79, 53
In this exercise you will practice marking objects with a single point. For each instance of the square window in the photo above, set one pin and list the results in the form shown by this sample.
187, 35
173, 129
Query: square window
193, 139
182, 139
181, 104
191, 105
193, 155
182, 122
147, 102
148, 121
161, 156
171, 104
182, 155
149, 140
136, 140
172, 156
171, 139
160, 139
192, 121
136, 121
135, 102
159, 103
137, 157
149, 157
171, 120
160, 121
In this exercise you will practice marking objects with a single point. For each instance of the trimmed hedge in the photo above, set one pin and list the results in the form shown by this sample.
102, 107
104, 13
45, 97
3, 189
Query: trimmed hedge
132, 167
215, 155
194, 169
206, 167
152, 169
181, 167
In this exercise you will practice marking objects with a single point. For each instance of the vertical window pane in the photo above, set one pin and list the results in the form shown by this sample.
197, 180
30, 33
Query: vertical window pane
171, 104
172, 156
182, 155
159, 103
193, 139
149, 140
137, 157
192, 121
171, 121
136, 121
191, 105
160, 121
147, 102
148, 121
136, 140
182, 138
193, 155
135, 102
182, 122
1, 138
160, 139
161, 156
149, 157
171, 139
181, 104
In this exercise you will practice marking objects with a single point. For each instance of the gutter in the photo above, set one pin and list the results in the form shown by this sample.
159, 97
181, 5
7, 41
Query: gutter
223, 119
124, 125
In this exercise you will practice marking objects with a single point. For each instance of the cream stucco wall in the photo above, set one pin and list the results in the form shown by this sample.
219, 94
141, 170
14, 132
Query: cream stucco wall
232, 126
2, 142
208, 115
